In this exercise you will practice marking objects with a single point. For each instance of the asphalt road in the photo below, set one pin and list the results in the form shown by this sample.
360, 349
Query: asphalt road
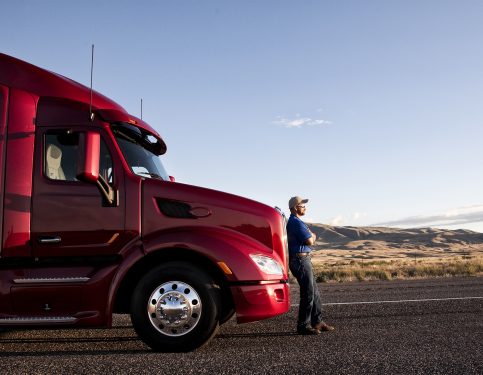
410, 327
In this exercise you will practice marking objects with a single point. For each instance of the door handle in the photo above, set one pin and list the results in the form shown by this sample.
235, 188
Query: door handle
49, 239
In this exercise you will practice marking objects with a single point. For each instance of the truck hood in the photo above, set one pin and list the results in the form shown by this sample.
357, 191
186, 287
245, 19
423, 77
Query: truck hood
171, 205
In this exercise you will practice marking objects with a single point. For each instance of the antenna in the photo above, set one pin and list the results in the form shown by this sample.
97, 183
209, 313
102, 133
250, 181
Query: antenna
141, 108
91, 115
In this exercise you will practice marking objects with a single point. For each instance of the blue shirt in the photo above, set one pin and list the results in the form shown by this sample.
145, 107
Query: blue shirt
297, 234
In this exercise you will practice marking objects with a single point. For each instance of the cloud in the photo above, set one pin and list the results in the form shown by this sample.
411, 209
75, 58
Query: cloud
337, 221
346, 220
299, 121
456, 216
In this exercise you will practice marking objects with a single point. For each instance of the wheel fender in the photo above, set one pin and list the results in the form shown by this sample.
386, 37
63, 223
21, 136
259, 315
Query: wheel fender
218, 245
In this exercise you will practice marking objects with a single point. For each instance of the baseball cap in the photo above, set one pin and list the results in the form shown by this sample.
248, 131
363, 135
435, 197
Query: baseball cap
295, 201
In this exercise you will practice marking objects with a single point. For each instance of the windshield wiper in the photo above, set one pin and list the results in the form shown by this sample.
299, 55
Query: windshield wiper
125, 136
153, 175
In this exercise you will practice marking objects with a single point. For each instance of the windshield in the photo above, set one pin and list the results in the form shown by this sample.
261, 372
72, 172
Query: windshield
140, 149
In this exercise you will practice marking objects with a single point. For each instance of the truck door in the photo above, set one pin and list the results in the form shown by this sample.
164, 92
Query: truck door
71, 217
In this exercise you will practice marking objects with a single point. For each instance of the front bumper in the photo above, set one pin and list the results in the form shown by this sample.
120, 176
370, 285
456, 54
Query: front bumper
260, 301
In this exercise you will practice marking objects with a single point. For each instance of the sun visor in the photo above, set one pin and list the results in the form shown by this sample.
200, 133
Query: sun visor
119, 117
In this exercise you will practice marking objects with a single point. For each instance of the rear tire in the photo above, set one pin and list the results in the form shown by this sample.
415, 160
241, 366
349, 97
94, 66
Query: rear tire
175, 307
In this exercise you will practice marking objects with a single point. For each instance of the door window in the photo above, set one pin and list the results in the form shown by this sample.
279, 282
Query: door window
61, 153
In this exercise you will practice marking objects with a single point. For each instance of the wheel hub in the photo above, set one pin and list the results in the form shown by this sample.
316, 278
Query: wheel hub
174, 308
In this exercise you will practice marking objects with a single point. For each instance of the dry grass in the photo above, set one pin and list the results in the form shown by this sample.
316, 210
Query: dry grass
373, 269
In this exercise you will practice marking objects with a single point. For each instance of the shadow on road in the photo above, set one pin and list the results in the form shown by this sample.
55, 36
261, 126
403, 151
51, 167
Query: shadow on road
68, 340
255, 335
74, 353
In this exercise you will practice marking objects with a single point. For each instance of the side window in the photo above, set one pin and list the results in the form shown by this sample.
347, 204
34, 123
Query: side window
60, 157
105, 163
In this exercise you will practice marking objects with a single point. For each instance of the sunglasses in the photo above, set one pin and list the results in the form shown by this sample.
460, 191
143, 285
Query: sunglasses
299, 206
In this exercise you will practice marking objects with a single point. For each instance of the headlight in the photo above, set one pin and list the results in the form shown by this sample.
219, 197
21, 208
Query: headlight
267, 265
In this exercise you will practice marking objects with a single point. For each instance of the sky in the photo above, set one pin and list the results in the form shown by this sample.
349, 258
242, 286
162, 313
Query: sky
370, 109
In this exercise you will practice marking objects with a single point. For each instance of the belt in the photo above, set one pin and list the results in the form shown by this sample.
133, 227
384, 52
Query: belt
302, 255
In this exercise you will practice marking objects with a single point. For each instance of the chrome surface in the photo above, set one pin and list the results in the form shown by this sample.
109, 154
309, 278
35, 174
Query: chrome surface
174, 308
50, 240
37, 320
48, 280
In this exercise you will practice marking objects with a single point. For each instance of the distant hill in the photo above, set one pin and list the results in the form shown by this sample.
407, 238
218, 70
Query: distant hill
380, 253
380, 238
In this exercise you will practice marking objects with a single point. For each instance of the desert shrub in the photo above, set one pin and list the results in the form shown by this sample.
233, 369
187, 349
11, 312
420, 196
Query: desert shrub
411, 271
378, 274
359, 275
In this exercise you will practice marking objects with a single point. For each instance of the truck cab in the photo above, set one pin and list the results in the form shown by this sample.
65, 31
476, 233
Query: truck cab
93, 225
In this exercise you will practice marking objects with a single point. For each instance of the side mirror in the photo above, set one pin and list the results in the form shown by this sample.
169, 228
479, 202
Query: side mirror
88, 157
88, 165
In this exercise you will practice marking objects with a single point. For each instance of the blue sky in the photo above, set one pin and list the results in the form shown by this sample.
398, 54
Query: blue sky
372, 109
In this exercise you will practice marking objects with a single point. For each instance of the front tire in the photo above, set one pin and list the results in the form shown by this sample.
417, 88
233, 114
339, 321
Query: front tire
175, 308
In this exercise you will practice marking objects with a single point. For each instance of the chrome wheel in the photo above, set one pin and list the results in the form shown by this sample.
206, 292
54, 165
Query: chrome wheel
174, 308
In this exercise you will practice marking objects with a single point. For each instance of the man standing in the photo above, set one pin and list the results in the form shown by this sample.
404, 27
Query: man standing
300, 238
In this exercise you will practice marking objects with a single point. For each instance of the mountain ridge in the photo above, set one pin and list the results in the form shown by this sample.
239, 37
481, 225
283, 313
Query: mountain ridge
370, 238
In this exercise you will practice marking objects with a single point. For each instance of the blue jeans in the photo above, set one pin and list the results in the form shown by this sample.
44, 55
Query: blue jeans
310, 308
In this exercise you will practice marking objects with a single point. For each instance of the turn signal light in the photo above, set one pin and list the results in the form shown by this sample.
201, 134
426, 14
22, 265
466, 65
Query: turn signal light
225, 268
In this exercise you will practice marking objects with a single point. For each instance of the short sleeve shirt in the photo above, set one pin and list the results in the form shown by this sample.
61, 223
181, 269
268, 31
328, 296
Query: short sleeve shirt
297, 234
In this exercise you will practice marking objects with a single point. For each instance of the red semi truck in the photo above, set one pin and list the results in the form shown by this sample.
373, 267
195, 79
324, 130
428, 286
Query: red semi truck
92, 225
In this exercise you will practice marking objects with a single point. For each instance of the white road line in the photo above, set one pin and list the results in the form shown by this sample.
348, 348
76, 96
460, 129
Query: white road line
395, 301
